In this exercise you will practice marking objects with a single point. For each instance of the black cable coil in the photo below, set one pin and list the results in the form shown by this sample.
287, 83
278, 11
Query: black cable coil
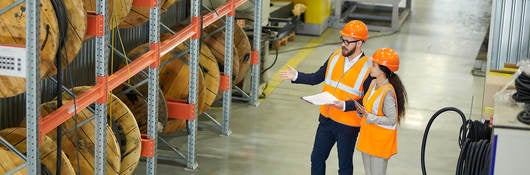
522, 86
474, 143
61, 15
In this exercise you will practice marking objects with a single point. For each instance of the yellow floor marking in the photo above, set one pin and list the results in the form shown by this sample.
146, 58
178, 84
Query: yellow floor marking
294, 61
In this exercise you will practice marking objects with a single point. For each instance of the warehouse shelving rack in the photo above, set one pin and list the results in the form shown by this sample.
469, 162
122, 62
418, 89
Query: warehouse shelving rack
39, 126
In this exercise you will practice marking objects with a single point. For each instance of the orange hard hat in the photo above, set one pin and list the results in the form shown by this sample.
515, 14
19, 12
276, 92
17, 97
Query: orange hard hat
355, 29
387, 57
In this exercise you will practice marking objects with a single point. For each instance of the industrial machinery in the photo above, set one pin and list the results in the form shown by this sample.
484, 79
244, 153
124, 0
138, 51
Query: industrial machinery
379, 15
315, 18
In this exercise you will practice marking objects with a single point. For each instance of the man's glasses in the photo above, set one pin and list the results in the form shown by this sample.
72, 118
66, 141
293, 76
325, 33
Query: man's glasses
346, 42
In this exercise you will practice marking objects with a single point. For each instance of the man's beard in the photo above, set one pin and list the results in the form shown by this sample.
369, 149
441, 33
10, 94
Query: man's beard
346, 53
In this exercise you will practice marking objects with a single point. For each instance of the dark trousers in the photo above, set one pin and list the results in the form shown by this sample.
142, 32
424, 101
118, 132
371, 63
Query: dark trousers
328, 133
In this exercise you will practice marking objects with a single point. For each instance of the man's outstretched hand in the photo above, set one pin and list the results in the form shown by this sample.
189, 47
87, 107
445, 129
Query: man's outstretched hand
288, 74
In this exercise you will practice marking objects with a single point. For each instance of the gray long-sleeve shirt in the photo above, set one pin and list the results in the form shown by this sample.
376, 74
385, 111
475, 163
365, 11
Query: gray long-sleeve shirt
389, 110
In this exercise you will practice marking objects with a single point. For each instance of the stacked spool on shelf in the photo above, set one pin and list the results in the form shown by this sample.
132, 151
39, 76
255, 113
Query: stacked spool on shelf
85, 142
242, 44
174, 81
14, 161
75, 20
123, 144
241, 54
137, 103
48, 153
139, 15
134, 94
75, 33
209, 67
13, 32
136, 100
215, 40
124, 128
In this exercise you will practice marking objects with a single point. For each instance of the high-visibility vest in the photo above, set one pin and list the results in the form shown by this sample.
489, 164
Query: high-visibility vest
344, 86
374, 139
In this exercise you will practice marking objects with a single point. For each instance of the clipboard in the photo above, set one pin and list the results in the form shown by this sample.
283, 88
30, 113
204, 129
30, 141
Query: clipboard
324, 98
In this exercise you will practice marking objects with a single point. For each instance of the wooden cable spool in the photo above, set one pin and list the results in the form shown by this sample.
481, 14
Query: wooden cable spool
242, 44
137, 103
241, 57
210, 68
136, 99
14, 161
85, 140
140, 15
216, 43
118, 10
129, 133
174, 80
76, 30
13, 32
48, 152
13, 24
208, 65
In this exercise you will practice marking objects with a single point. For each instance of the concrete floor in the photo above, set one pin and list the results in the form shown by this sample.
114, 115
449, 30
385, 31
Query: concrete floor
437, 46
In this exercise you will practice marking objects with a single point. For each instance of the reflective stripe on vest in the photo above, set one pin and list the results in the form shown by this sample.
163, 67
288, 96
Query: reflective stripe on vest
356, 89
378, 106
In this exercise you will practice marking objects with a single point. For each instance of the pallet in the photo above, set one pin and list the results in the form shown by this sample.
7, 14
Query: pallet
283, 41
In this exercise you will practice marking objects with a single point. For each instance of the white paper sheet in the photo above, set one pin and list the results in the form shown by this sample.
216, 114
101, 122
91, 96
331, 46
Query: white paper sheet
324, 98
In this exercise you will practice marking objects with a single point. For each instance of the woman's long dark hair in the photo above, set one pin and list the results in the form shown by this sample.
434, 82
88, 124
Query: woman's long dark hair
401, 93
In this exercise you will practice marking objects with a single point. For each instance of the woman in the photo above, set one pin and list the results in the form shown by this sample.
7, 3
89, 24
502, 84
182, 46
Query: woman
384, 106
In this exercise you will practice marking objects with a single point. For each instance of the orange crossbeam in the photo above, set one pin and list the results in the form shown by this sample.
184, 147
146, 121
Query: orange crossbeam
145, 3
134, 67
221, 11
59, 116
232, 7
156, 55
176, 39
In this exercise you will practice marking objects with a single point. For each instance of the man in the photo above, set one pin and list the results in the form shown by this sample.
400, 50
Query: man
346, 76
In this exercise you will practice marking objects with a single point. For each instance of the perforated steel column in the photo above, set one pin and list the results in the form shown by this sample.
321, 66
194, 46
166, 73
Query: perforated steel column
154, 39
194, 64
101, 108
227, 95
32, 86
257, 46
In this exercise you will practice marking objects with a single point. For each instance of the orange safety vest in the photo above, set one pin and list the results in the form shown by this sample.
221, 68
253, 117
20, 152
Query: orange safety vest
344, 86
377, 140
